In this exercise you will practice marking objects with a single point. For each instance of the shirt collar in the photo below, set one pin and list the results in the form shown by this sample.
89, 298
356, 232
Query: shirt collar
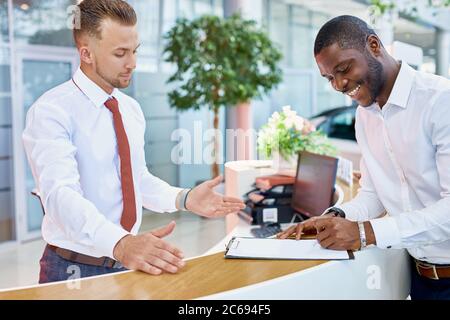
91, 90
402, 86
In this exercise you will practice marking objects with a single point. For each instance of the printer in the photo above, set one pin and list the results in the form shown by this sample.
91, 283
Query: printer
285, 199
270, 201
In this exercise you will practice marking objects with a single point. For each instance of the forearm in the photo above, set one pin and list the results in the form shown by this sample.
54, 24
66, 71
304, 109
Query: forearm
427, 226
81, 221
364, 206
158, 195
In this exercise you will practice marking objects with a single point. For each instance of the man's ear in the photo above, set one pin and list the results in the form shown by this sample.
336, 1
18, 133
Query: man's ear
374, 45
85, 50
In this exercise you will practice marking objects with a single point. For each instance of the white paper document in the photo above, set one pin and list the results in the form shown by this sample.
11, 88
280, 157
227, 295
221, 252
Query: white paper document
287, 249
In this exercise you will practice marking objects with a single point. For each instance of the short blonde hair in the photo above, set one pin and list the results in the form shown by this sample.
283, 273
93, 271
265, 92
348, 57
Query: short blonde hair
93, 12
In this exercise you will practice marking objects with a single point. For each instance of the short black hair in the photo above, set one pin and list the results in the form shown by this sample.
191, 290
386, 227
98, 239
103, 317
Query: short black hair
348, 32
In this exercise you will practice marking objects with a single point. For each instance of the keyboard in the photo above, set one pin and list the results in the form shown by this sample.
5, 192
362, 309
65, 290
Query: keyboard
266, 231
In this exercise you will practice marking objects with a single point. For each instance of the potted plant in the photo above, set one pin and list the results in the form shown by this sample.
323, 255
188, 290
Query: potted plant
286, 134
220, 62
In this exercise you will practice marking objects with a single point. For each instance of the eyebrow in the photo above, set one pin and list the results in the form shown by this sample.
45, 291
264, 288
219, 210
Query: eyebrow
127, 49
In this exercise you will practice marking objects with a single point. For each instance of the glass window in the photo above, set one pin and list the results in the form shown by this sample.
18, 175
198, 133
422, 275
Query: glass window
43, 22
202, 7
147, 12
5, 83
6, 200
296, 91
301, 15
185, 8
169, 14
218, 8
279, 26
318, 19
302, 47
327, 97
4, 37
302, 38
189, 9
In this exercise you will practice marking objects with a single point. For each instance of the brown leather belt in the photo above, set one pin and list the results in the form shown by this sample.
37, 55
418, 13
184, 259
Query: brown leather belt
432, 271
85, 259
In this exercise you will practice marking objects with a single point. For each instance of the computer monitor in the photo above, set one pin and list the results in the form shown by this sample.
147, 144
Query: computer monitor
314, 183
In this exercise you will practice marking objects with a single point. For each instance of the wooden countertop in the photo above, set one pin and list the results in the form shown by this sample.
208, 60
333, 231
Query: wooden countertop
200, 277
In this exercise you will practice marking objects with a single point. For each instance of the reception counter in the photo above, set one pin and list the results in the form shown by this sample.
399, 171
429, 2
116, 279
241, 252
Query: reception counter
373, 274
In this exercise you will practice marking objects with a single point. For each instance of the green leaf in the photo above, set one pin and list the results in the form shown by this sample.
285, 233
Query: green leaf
214, 55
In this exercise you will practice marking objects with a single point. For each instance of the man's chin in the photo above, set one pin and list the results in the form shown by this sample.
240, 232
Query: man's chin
123, 84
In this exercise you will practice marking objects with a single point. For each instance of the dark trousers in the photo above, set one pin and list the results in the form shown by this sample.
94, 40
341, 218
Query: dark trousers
55, 268
428, 289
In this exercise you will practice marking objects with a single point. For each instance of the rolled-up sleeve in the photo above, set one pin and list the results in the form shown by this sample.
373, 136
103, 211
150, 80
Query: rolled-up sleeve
52, 158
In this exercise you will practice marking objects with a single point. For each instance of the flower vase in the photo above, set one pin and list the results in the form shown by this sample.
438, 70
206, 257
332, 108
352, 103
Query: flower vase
283, 166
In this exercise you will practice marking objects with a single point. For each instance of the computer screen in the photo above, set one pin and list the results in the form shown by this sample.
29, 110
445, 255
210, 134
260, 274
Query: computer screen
314, 183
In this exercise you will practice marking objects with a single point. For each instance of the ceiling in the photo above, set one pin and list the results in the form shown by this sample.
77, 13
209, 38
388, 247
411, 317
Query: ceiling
421, 35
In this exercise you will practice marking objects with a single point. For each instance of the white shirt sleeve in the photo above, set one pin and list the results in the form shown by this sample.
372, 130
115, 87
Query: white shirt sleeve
431, 224
157, 195
51, 154
366, 205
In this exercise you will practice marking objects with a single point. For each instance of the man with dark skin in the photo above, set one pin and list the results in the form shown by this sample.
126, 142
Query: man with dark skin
404, 135
334, 64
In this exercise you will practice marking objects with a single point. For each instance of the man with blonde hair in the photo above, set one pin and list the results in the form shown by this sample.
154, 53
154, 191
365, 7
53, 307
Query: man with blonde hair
84, 140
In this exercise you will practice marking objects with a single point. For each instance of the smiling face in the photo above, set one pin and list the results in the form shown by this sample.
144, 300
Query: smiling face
352, 72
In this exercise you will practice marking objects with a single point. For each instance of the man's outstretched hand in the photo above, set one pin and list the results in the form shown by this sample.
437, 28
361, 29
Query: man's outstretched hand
204, 201
149, 253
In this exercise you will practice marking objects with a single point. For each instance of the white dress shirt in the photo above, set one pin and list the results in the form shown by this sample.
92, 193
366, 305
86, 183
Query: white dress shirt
405, 167
71, 146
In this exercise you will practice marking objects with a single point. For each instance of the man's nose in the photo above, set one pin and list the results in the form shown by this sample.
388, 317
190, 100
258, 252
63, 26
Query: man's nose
131, 63
340, 83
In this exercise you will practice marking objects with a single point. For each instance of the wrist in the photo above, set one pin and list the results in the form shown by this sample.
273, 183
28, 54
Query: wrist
119, 248
185, 200
336, 212
362, 235
181, 199
370, 235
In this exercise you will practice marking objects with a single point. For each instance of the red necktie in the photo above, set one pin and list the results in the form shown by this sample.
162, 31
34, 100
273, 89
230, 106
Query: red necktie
129, 205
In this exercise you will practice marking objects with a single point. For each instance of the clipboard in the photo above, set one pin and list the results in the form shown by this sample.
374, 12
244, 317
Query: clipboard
277, 249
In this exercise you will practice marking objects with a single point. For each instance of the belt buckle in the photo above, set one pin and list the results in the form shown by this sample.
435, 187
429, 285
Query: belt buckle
111, 263
427, 266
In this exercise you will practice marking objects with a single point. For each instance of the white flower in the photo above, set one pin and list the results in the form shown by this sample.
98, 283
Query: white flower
299, 123
286, 109
274, 118
288, 112
288, 123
